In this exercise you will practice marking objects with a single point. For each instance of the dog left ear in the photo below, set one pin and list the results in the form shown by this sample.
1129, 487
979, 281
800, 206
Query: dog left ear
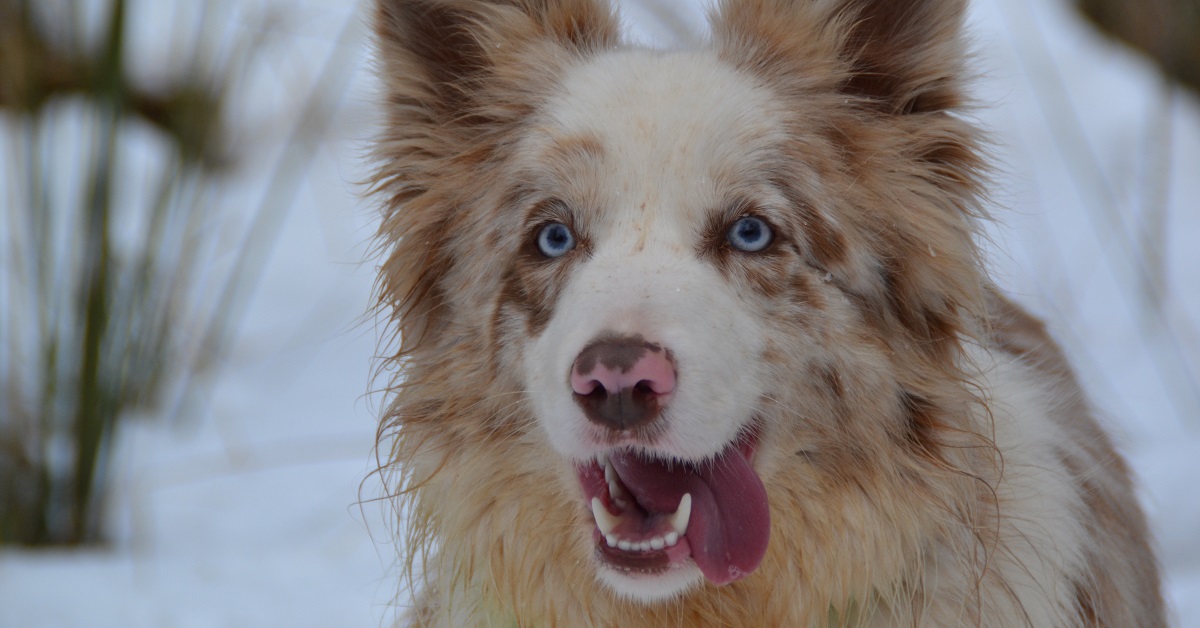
907, 54
902, 56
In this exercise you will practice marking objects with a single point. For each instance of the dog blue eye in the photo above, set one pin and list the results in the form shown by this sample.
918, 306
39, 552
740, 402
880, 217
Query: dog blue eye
555, 240
749, 234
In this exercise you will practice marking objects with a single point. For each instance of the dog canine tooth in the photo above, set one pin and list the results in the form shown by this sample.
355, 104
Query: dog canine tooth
615, 490
611, 539
614, 482
604, 520
671, 539
682, 514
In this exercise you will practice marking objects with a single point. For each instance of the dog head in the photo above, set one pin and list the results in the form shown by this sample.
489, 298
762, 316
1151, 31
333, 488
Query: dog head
700, 292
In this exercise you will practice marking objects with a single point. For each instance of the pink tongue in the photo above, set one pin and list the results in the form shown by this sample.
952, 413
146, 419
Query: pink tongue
730, 523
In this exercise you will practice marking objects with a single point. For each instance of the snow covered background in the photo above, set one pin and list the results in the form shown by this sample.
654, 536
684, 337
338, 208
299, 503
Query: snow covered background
249, 514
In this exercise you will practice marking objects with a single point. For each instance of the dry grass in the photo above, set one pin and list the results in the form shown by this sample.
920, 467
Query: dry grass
111, 192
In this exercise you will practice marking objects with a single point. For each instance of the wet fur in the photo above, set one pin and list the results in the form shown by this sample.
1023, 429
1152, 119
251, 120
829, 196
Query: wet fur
929, 457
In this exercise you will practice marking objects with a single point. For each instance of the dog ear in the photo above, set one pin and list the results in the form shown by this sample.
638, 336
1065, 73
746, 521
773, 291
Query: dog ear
908, 54
458, 74
438, 54
902, 56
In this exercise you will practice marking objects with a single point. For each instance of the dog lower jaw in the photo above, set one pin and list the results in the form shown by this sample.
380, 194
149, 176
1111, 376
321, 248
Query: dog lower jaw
665, 581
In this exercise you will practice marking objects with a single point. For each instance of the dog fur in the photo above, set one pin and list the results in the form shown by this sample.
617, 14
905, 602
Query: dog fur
927, 454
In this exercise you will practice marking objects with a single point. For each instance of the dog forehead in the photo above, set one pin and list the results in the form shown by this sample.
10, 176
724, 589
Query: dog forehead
673, 129
660, 92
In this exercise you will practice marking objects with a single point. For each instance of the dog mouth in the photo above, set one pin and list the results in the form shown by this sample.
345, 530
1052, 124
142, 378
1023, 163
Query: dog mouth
654, 515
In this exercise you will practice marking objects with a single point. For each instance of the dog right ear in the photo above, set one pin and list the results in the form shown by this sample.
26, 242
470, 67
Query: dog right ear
451, 58
457, 75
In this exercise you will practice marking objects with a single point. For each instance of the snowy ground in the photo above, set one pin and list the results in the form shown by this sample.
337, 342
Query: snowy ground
249, 515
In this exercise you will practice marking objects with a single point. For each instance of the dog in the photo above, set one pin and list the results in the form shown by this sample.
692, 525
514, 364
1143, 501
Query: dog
704, 337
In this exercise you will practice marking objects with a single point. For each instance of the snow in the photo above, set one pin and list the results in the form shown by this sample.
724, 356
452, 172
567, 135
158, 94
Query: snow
260, 511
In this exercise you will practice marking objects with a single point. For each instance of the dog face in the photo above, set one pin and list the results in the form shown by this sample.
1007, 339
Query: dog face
694, 274
654, 181
670, 171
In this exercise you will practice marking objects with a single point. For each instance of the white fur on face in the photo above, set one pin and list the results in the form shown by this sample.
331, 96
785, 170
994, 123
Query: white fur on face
674, 129
662, 586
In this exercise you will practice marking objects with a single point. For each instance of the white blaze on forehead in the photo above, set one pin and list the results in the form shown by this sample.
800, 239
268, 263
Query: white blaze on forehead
665, 103
679, 136
672, 126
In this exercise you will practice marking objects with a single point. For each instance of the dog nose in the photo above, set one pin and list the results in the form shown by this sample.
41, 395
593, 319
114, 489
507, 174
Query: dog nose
623, 382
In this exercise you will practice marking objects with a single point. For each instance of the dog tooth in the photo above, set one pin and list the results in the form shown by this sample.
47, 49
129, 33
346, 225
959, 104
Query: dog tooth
604, 520
625, 545
614, 481
611, 539
657, 543
614, 486
671, 539
602, 460
682, 515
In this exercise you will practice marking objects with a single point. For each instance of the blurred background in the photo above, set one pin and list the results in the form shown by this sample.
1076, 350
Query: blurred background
186, 422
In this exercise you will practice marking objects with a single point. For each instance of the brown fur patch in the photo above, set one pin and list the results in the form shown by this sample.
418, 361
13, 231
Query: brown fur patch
532, 283
535, 308
827, 245
922, 424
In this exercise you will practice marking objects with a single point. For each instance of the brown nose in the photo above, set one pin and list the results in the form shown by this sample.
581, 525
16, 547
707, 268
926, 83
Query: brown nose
622, 382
